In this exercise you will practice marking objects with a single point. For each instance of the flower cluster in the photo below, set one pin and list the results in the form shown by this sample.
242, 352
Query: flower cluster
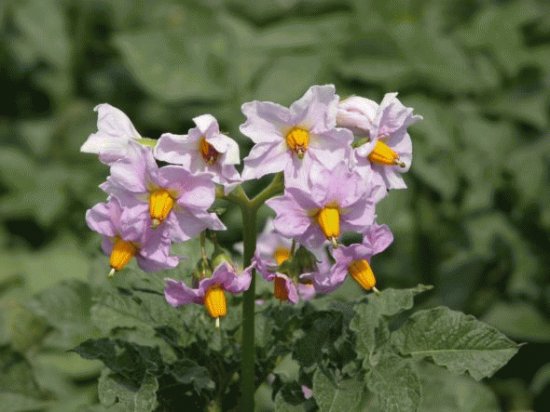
339, 158
150, 207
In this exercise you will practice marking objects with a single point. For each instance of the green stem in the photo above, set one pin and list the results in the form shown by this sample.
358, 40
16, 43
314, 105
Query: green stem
249, 210
275, 187
248, 386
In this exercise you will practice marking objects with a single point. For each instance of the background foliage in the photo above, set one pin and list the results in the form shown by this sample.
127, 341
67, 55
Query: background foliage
474, 223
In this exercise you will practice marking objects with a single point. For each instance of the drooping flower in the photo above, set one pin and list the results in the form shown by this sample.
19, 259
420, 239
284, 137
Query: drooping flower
115, 135
203, 149
387, 148
355, 260
126, 235
327, 204
285, 287
171, 195
210, 291
290, 139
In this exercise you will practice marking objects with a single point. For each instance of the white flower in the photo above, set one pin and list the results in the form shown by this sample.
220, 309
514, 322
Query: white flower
114, 137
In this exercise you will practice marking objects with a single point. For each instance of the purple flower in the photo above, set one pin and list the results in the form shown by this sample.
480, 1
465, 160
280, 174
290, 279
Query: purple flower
284, 287
325, 205
126, 235
210, 291
203, 149
114, 137
171, 196
355, 260
389, 148
307, 392
290, 139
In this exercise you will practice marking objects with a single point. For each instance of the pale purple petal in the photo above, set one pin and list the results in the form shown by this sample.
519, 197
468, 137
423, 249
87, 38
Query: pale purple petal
100, 219
307, 392
134, 172
377, 238
207, 124
316, 109
306, 291
227, 147
291, 289
177, 293
291, 219
358, 216
265, 121
357, 114
331, 147
266, 158
176, 149
393, 115
114, 136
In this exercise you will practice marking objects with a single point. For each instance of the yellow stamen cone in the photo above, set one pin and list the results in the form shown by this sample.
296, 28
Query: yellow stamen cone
361, 272
297, 139
121, 254
328, 219
383, 154
281, 255
215, 303
279, 288
208, 153
160, 205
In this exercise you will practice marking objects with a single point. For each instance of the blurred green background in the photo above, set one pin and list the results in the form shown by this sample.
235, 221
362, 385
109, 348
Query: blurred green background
475, 221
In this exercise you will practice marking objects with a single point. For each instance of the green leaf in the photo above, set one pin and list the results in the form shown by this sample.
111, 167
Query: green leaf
66, 307
119, 396
281, 405
337, 396
368, 322
187, 371
394, 384
14, 402
43, 25
457, 341
541, 379
17, 375
297, 72
322, 332
445, 392
129, 360
288, 370
519, 320
170, 66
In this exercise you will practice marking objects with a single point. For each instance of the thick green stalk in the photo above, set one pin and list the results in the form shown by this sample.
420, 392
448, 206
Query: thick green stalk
249, 209
248, 386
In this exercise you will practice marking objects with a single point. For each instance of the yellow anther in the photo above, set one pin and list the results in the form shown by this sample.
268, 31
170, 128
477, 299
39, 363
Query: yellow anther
281, 255
328, 219
383, 154
215, 303
297, 139
208, 153
121, 254
160, 205
361, 272
279, 288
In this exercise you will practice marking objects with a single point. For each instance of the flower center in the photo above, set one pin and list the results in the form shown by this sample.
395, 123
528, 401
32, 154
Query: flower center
208, 153
215, 303
281, 255
161, 203
328, 219
297, 139
361, 272
384, 155
279, 288
121, 254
